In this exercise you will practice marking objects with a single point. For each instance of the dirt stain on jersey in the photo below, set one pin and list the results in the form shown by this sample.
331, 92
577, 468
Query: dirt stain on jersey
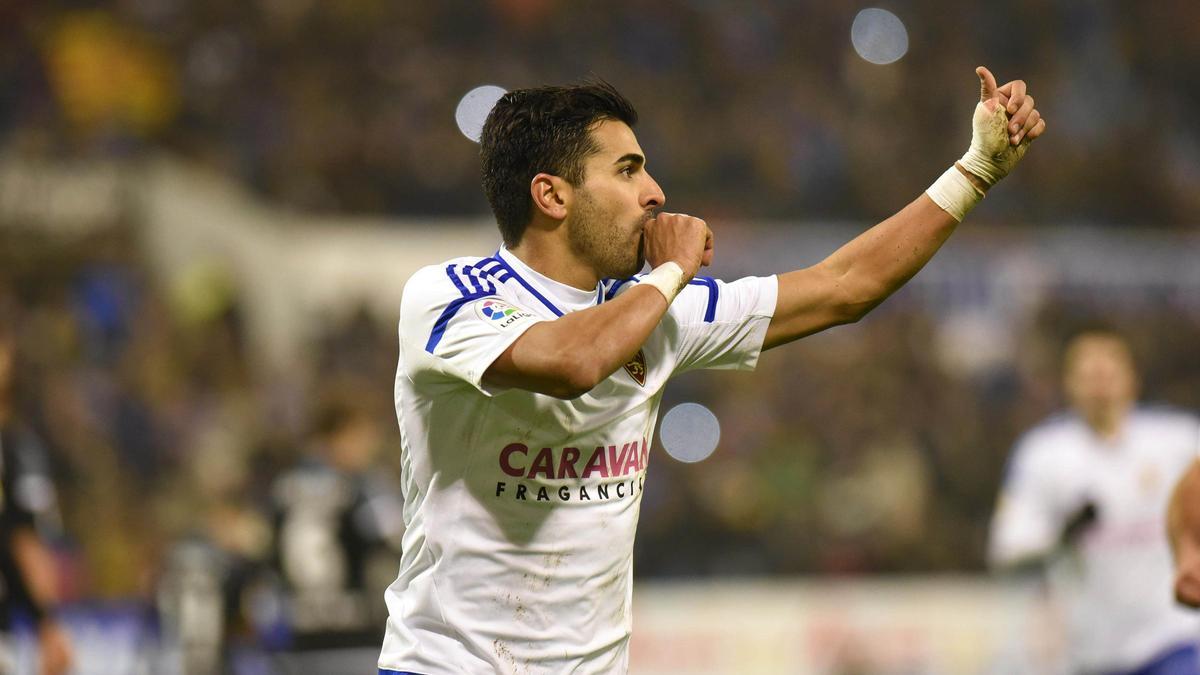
506, 656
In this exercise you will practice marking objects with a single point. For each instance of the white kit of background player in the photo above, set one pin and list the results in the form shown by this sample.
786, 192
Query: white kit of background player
1103, 474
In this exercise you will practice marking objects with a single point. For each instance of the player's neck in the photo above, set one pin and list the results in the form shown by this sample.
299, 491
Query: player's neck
552, 257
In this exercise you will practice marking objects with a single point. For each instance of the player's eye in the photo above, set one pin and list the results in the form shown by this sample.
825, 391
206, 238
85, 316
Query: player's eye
627, 170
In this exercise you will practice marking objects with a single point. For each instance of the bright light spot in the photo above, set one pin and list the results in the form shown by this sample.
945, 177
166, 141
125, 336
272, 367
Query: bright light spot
690, 432
473, 109
879, 36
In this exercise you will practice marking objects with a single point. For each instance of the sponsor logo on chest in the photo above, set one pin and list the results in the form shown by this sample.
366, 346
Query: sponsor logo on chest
602, 473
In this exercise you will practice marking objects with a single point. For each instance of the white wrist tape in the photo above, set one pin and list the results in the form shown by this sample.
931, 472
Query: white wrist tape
954, 193
991, 156
667, 278
989, 159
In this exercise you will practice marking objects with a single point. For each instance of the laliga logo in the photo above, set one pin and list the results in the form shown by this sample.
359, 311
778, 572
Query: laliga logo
496, 311
499, 314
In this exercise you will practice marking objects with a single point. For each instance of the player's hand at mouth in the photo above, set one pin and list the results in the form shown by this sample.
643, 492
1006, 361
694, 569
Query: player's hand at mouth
681, 238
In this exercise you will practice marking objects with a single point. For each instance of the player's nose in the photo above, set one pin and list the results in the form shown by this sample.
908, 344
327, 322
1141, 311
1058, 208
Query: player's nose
652, 195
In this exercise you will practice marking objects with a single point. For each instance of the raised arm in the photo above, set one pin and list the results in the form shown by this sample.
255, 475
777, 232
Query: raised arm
864, 272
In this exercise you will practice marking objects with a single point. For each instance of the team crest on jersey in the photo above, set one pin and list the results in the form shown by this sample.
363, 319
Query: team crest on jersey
499, 314
637, 368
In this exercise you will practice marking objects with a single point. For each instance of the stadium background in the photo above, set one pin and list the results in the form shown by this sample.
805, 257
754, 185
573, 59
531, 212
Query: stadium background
207, 211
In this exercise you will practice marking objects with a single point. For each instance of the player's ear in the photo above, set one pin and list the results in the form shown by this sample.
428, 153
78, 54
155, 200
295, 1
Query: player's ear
551, 195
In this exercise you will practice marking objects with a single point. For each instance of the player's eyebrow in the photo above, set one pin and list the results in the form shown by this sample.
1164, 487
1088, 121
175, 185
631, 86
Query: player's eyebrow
632, 157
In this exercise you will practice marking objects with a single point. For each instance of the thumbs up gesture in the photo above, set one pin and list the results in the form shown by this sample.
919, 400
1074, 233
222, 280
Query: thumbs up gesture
1024, 119
1004, 124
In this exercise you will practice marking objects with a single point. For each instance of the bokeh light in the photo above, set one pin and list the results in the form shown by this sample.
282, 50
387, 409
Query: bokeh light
690, 432
879, 36
474, 107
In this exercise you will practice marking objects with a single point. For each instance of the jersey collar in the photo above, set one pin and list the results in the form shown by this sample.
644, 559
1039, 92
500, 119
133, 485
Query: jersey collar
555, 295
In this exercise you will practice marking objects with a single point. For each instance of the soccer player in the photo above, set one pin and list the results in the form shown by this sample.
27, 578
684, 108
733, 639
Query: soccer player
336, 531
529, 380
1085, 498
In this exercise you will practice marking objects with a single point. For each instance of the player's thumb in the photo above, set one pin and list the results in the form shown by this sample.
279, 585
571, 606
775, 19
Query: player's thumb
987, 83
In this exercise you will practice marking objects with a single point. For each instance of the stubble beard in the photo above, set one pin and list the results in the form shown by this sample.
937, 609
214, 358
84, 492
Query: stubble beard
596, 238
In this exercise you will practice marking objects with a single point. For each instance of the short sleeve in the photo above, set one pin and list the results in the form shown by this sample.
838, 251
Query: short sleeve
722, 325
454, 323
1029, 514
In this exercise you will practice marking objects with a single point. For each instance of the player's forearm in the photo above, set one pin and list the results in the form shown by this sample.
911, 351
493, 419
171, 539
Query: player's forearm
860, 275
876, 263
36, 566
569, 356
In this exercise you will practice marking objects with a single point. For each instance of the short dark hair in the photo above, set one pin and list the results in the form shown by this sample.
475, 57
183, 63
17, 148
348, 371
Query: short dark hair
542, 130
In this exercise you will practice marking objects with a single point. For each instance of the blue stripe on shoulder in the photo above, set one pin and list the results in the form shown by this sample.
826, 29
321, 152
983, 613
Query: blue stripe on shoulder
454, 277
549, 305
489, 265
493, 268
483, 282
710, 311
439, 326
385, 671
472, 276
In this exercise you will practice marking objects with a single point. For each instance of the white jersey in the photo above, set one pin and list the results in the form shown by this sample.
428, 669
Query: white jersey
1116, 585
521, 508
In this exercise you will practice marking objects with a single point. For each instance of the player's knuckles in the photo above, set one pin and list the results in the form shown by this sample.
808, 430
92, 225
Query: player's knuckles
675, 222
1037, 130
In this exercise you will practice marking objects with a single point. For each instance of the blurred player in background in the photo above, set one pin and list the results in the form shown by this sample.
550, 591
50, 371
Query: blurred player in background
1183, 528
338, 525
529, 381
1086, 496
27, 507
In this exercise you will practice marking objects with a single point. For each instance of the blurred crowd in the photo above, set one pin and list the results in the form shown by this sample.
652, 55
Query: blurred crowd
760, 109
186, 477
